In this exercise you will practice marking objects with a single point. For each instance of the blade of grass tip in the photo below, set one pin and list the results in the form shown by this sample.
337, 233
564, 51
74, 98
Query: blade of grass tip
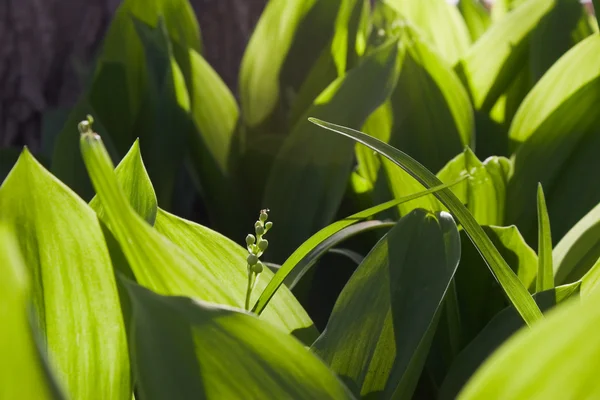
302, 257
545, 275
512, 286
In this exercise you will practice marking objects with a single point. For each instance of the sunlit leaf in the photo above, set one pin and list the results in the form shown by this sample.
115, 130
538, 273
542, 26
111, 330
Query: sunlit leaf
545, 275
559, 128
496, 332
401, 283
24, 372
476, 17
439, 22
579, 249
183, 349
514, 289
73, 287
554, 357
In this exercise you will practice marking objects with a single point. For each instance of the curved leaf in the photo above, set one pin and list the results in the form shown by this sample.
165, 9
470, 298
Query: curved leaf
492, 336
476, 17
308, 178
73, 286
514, 289
186, 349
545, 275
490, 65
24, 373
304, 256
555, 356
402, 282
579, 249
154, 260
440, 23
560, 129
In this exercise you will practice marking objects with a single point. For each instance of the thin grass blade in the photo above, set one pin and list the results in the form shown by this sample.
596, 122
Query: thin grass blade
545, 276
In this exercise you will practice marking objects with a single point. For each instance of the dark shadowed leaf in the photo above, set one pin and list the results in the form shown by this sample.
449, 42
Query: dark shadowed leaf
545, 274
401, 283
309, 176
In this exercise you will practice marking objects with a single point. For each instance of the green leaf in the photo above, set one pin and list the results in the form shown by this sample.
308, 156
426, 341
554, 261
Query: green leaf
554, 357
136, 185
73, 288
227, 260
476, 17
446, 125
479, 296
440, 23
514, 289
308, 178
578, 250
24, 372
490, 65
213, 151
559, 128
401, 283
297, 33
596, 4
496, 332
555, 34
163, 123
545, 275
182, 348
305, 255
154, 260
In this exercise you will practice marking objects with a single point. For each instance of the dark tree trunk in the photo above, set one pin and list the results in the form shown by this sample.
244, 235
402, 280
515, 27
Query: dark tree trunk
45, 45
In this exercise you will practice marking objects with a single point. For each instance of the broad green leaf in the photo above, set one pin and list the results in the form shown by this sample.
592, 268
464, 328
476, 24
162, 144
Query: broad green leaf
163, 123
154, 260
213, 151
508, 280
305, 255
440, 23
555, 34
490, 65
559, 128
483, 192
120, 85
445, 125
225, 258
579, 249
184, 349
122, 44
73, 286
545, 275
496, 332
556, 357
308, 178
476, 17
479, 296
402, 282
24, 373
289, 38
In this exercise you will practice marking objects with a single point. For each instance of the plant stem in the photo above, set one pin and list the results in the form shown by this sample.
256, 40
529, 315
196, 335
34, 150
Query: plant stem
249, 289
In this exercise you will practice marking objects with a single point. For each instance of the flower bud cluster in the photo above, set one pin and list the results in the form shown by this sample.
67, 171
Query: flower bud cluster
256, 244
